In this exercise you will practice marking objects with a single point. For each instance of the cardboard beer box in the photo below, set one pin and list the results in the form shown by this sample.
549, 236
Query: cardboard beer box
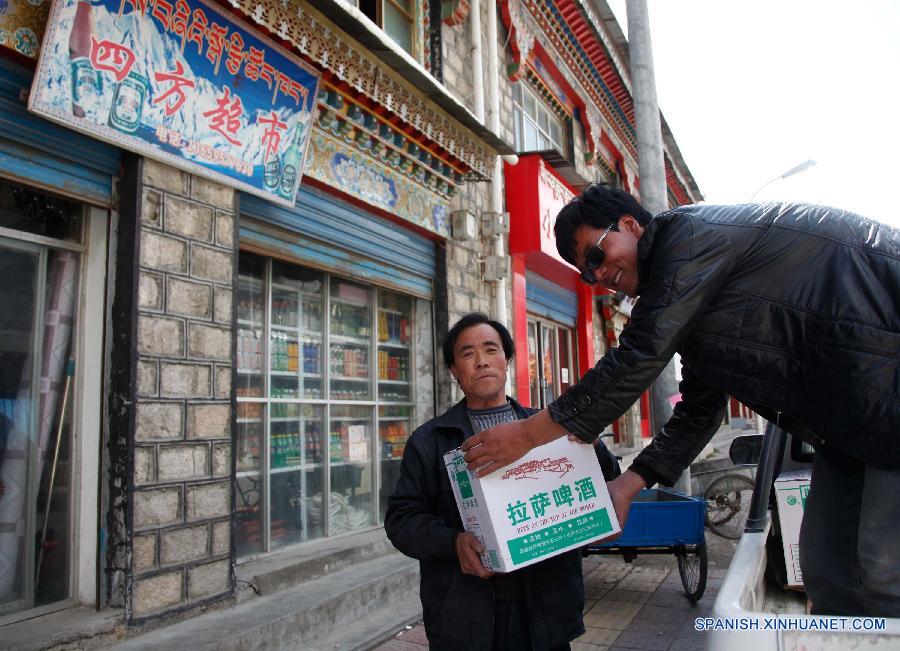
791, 489
550, 501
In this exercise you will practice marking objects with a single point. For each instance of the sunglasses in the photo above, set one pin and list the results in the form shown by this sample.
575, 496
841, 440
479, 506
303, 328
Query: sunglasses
594, 258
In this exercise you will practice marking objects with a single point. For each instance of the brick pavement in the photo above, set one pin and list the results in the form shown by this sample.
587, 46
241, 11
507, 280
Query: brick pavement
638, 605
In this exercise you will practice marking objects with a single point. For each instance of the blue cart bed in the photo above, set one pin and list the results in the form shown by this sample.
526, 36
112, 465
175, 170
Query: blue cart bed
663, 521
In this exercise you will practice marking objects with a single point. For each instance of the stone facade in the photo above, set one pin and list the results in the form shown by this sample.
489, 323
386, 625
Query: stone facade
181, 553
464, 292
464, 267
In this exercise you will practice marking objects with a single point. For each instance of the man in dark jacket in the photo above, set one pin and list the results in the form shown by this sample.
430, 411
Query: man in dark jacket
466, 606
792, 309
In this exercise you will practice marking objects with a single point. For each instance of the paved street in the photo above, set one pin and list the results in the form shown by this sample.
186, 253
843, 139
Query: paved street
640, 605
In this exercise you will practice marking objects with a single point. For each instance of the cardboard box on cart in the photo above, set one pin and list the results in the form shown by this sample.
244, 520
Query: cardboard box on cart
791, 489
550, 501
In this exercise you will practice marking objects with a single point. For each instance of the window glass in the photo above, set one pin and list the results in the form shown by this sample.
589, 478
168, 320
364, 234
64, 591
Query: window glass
350, 451
529, 104
398, 24
531, 136
536, 126
297, 473
39, 289
350, 336
39, 213
550, 359
395, 423
555, 132
249, 508
534, 380
319, 443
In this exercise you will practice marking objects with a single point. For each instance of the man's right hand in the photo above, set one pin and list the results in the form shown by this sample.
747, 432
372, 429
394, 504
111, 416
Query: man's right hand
622, 490
505, 443
467, 550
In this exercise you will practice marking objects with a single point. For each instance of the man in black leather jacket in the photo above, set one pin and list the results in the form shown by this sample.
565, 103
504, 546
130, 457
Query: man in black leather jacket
465, 606
792, 309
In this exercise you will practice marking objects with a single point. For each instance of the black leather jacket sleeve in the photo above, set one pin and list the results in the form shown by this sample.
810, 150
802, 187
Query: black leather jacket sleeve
412, 521
694, 421
682, 264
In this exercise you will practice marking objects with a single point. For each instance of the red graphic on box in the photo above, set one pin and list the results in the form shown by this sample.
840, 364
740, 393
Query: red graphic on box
530, 469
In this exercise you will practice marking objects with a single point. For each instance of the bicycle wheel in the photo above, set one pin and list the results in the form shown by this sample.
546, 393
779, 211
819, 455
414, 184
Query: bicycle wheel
693, 567
727, 503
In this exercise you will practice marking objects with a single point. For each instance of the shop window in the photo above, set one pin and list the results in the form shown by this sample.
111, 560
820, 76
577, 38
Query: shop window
536, 126
39, 290
550, 361
396, 17
327, 396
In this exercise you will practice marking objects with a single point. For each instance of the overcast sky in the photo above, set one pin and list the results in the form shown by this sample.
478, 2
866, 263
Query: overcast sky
752, 88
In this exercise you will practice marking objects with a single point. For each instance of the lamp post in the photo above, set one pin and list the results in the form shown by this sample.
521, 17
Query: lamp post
797, 169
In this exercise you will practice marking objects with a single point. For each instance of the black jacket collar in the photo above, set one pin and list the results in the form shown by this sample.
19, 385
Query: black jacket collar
457, 417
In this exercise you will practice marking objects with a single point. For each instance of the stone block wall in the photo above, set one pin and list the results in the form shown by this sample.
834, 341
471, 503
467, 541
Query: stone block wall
181, 545
462, 268
457, 71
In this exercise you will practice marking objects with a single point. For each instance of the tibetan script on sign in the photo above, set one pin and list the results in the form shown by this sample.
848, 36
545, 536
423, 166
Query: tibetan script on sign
182, 82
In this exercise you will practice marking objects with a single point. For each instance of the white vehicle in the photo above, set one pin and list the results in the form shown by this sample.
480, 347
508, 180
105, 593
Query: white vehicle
753, 611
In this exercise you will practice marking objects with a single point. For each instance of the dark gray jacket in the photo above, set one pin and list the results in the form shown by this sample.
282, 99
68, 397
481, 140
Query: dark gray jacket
792, 309
422, 521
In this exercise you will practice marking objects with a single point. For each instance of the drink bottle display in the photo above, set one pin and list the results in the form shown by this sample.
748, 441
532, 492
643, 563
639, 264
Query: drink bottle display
290, 166
85, 80
272, 170
128, 103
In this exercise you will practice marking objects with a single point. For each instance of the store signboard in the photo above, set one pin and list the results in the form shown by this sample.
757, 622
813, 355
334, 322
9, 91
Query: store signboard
535, 195
552, 196
179, 81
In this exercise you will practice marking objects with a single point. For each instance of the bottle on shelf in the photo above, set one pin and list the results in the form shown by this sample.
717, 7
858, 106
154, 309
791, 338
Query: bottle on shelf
382, 326
404, 330
292, 356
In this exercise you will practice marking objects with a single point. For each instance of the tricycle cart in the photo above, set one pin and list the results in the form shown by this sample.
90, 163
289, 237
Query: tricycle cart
663, 521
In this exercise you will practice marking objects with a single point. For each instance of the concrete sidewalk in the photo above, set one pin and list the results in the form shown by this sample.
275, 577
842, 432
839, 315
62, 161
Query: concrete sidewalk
638, 605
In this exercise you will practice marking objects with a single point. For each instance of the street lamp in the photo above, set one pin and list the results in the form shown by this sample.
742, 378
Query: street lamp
802, 167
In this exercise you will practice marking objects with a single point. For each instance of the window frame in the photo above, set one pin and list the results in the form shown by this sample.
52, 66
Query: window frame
375, 403
412, 18
86, 396
522, 95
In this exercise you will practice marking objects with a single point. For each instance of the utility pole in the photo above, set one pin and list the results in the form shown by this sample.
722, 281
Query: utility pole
652, 172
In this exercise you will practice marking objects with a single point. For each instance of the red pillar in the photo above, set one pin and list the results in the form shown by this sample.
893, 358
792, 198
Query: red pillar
584, 329
645, 415
520, 328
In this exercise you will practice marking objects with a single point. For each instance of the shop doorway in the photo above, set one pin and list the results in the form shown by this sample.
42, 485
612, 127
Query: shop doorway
551, 357
40, 268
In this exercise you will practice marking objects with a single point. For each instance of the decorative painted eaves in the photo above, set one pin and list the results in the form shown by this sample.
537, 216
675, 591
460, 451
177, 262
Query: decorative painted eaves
325, 45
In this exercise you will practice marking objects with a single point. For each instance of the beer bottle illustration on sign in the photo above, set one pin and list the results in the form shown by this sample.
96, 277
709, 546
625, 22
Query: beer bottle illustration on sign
128, 103
85, 80
272, 170
291, 162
